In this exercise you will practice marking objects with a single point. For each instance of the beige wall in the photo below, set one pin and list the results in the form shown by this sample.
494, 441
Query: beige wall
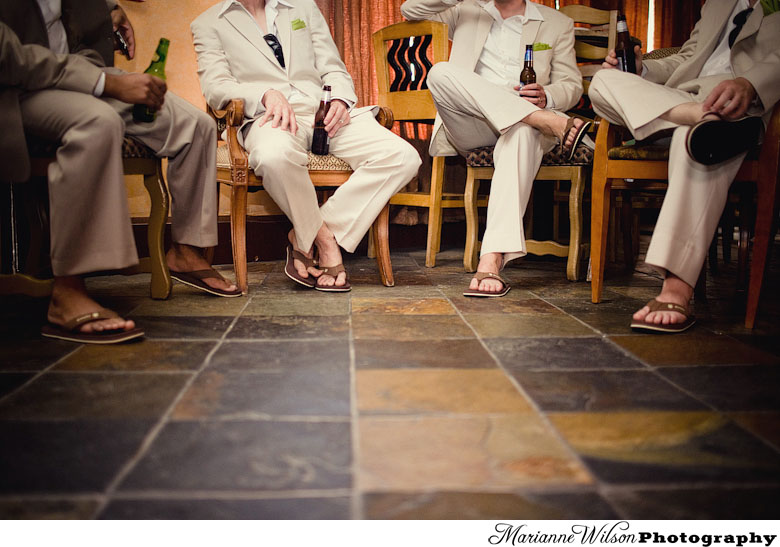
171, 19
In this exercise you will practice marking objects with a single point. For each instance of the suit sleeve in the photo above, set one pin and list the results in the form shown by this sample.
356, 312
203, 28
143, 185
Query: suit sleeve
32, 67
327, 60
217, 82
659, 70
565, 85
433, 10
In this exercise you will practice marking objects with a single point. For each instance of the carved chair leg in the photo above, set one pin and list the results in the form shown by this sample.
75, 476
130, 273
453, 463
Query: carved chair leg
575, 224
472, 221
238, 235
161, 284
381, 239
371, 248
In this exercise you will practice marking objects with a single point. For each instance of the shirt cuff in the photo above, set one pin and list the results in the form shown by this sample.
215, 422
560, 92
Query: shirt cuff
350, 104
100, 86
550, 103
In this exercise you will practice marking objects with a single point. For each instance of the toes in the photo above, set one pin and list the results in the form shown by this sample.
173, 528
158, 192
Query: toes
641, 314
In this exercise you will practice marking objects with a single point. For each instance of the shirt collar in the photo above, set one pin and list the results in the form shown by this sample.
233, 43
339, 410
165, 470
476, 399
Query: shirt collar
532, 12
268, 4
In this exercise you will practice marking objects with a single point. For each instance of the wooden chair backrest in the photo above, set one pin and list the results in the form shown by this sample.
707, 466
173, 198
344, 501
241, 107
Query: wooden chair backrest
401, 53
595, 34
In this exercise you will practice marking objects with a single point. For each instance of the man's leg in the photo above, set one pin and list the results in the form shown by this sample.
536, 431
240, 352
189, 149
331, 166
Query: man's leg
689, 216
383, 163
281, 159
90, 222
187, 137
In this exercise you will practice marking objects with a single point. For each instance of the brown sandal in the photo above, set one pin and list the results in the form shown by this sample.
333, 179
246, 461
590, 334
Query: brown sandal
71, 330
292, 273
581, 131
195, 280
656, 305
334, 271
479, 276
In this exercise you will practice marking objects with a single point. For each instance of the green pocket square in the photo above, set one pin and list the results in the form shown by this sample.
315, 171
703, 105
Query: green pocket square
770, 6
541, 46
297, 24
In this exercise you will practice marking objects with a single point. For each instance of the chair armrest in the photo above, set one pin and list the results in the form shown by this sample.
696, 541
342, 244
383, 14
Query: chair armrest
230, 120
385, 117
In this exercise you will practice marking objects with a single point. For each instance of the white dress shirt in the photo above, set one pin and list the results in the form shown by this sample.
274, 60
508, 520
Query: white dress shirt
503, 57
271, 13
58, 38
719, 61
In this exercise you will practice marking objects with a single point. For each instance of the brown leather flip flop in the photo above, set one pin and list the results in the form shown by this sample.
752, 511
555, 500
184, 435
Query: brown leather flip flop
292, 273
334, 271
714, 141
195, 280
656, 305
479, 276
581, 131
71, 332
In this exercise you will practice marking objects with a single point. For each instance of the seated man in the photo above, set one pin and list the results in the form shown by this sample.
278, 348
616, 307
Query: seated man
276, 55
728, 69
90, 225
476, 94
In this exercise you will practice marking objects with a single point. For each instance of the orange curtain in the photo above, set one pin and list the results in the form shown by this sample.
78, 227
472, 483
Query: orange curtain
352, 22
674, 21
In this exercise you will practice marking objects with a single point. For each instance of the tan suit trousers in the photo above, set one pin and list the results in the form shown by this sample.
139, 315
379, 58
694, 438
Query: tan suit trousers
697, 193
90, 222
382, 162
476, 113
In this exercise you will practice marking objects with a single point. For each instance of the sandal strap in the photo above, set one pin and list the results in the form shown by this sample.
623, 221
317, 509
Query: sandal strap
657, 305
76, 322
307, 262
333, 271
479, 276
211, 273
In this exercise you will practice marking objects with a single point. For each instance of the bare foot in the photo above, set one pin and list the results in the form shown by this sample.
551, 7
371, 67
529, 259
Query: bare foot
490, 262
186, 258
330, 255
69, 300
553, 125
674, 290
299, 266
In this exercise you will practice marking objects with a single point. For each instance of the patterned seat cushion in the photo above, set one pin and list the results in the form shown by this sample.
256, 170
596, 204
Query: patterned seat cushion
483, 157
131, 148
656, 152
316, 163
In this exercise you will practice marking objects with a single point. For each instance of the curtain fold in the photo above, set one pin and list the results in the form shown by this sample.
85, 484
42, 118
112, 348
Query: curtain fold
674, 21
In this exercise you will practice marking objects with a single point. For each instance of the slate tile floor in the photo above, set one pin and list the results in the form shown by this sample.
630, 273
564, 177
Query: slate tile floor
405, 402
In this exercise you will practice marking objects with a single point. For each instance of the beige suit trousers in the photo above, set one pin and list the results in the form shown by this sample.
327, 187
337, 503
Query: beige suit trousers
697, 193
382, 162
478, 113
90, 222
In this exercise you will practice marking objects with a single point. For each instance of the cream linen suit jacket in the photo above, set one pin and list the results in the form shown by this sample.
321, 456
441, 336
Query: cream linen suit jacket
469, 26
755, 55
234, 62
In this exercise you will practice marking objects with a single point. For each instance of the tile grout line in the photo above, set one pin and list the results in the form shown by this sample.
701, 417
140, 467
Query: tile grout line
39, 374
153, 433
542, 415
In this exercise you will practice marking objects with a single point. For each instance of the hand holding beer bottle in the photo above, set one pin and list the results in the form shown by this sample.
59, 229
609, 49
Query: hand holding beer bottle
626, 56
142, 112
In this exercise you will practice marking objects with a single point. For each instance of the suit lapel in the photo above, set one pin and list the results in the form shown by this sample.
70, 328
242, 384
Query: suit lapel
249, 29
284, 29
530, 30
752, 24
484, 23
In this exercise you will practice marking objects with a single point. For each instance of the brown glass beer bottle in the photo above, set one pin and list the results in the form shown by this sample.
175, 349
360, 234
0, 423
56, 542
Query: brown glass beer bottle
320, 141
528, 75
624, 48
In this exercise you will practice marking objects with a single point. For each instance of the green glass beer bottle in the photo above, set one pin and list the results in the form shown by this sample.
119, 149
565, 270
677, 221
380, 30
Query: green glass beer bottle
142, 113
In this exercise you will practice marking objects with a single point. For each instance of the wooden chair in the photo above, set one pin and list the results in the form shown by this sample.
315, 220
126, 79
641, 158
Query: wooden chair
647, 168
137, 160
402, 64
326, 172
592, 42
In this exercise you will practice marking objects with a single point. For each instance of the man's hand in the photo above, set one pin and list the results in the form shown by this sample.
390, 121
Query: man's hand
337, 117
136, 88
611, 60
730, 99
122, 24
279, 111
533, 93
